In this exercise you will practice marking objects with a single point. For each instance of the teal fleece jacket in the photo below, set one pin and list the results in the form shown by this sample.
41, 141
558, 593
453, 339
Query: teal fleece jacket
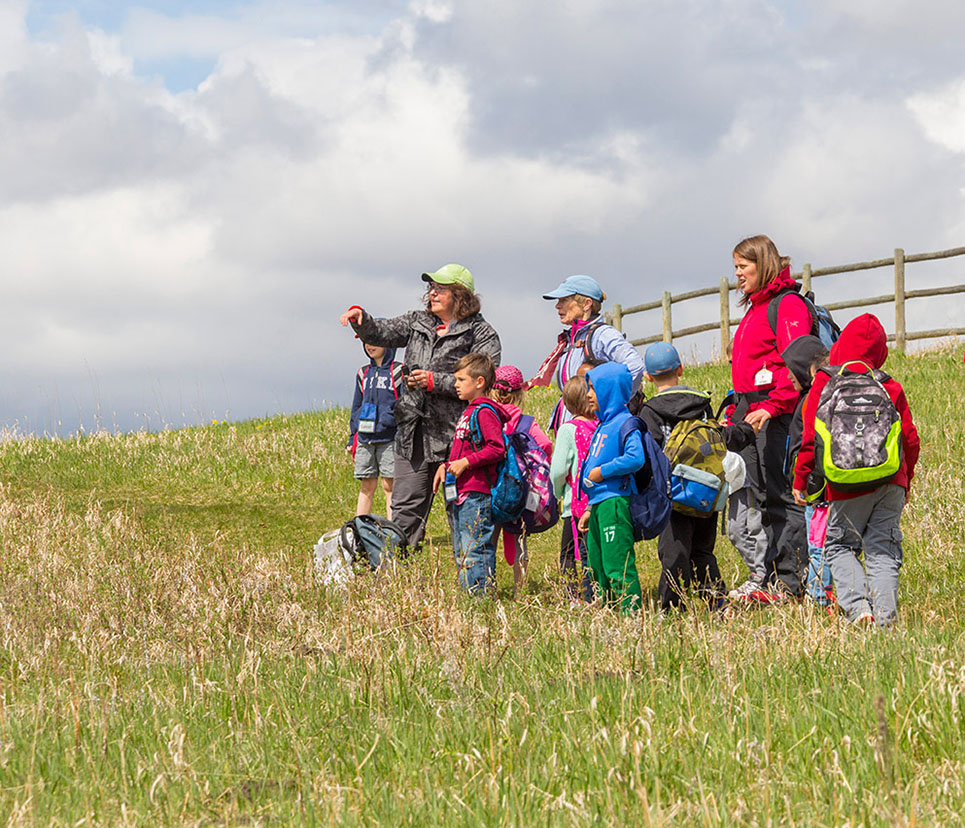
613, 386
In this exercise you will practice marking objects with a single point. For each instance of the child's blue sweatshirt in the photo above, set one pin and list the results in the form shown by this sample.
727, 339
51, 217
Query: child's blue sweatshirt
377, 387
613, 385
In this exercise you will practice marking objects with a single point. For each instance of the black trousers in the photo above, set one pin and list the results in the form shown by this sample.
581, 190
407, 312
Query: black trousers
412, 491
783, 519
686, 552
577, 585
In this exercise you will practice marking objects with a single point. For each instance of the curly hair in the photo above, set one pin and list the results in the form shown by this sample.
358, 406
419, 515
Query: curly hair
466, 302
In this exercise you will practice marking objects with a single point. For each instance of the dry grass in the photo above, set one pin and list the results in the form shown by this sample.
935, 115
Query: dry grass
165, 658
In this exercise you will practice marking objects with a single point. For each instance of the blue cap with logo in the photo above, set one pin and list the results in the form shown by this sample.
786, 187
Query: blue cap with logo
661, 357
577, 285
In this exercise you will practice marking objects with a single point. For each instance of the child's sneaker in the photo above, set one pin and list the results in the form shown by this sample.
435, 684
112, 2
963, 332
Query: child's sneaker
746, 589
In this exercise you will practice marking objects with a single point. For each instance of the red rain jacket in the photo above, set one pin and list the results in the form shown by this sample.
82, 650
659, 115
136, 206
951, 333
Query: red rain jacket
757, 347
863, 339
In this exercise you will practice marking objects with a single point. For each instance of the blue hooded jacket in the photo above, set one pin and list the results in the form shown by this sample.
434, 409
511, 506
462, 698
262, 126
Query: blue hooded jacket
613, 385
377, 387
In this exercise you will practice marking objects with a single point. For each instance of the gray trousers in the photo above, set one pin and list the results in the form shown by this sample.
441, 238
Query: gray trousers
746, 532
412, 491
869, 523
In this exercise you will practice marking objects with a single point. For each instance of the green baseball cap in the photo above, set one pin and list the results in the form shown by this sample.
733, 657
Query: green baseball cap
451, 274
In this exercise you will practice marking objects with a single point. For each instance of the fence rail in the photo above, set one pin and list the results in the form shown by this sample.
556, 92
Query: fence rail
900, 296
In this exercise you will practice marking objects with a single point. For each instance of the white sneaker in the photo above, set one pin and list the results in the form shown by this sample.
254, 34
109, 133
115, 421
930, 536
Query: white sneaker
746, 589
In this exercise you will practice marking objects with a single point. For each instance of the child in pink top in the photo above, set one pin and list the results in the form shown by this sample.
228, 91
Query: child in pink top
572, 445
509, 391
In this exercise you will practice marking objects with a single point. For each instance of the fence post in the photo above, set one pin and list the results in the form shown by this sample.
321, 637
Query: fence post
900, 299
724, 315
617, 314
806, 278
667, 320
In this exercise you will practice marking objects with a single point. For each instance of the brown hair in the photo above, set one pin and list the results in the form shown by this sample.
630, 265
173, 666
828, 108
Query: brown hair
478, 365
762, 252
466, 302
575, 397
501, 395
822, 359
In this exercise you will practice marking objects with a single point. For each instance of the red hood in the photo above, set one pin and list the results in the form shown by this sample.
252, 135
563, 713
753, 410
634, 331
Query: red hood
863, 338
768, 292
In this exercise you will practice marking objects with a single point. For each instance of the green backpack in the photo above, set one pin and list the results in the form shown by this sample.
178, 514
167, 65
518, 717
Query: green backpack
696, 450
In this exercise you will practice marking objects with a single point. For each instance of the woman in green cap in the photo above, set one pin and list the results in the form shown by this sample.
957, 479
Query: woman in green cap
435, 339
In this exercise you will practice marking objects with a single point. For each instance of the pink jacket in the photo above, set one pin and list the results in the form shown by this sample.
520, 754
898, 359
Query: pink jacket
757, 347
514, 413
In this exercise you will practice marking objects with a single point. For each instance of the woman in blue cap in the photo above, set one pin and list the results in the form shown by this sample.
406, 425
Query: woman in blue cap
585, 339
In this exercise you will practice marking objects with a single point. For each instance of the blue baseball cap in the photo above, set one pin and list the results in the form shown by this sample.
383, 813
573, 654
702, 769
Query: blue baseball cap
573, 285
660, 358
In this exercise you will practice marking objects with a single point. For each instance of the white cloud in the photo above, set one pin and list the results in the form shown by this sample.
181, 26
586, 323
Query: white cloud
942, 115
202, 244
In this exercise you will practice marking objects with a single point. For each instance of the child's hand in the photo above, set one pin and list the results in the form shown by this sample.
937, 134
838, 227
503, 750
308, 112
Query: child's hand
799, 497
583, 523
596, 475
440, 476
757, 419
457, 467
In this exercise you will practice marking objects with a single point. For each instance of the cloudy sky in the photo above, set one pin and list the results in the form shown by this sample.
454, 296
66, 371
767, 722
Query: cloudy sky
191, 192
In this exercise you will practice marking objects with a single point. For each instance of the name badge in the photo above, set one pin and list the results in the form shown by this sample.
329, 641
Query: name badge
449, 489
366, 426
763, 377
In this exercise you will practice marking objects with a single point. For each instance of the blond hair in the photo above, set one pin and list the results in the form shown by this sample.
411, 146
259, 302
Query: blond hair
575, 398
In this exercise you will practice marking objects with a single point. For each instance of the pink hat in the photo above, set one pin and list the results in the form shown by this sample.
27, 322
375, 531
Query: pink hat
508, 378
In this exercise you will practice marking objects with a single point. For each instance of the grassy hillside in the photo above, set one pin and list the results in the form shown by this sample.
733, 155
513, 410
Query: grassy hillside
166, 659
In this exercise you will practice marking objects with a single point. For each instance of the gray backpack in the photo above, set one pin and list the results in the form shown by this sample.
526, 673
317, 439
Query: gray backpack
857, 430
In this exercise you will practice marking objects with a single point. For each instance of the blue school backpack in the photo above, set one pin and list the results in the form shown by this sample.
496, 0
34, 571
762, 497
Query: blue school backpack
650, 505
823, 325
508, 488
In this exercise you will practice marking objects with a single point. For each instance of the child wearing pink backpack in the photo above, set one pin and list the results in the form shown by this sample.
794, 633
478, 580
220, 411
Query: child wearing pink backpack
509, 391
572, 445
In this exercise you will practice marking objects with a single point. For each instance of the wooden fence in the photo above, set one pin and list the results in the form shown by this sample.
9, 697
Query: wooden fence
900, 296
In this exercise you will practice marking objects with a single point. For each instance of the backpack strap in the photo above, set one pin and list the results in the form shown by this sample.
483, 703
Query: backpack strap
395, 370
730, 399
475, 431
773, 308
588, 331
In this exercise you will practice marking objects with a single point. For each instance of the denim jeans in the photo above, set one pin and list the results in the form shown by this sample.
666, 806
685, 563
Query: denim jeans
474, 542
819, 573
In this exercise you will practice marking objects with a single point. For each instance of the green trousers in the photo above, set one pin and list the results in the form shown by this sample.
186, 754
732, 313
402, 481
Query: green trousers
609, 547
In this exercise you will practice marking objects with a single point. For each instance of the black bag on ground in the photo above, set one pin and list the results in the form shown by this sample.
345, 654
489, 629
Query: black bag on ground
373, 540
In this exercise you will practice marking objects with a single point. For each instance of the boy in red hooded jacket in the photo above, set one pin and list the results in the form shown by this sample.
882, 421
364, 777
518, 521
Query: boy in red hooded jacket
867, 521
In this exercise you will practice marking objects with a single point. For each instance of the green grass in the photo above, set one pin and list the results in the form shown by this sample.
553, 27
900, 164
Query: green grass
167, 659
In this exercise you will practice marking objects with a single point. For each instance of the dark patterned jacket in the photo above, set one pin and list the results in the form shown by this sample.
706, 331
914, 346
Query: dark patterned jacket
437, 411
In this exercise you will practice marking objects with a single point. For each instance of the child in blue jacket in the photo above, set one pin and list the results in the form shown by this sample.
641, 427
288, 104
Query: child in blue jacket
372, 425
607, 480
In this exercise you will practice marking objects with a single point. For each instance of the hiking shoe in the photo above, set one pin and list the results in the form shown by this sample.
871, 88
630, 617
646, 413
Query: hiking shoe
866, 619
763, 595
746, 589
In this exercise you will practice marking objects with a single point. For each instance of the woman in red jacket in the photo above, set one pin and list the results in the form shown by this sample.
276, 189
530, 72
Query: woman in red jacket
766, 398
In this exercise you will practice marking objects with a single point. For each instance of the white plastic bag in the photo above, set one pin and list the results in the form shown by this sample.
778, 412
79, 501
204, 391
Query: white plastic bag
735, 471
333, 563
